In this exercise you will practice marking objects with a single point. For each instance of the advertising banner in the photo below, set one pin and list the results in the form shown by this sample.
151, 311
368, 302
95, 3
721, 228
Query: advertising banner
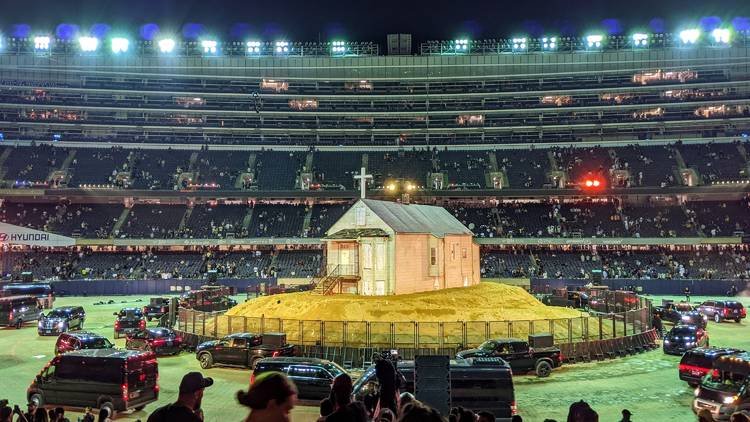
17, 235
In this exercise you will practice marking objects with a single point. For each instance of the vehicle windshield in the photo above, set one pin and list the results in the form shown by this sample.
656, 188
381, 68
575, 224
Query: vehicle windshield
57, 313
724, 381
335, 369
131, 313
161, 332
683, 332
488, 346
96, 343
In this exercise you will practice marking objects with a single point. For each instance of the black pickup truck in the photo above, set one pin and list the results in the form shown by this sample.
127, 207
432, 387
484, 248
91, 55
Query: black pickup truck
156, 308
521, 357
242, 349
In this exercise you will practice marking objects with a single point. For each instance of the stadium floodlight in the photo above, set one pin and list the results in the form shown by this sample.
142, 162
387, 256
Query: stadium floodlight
338, 47
120, 45
41, 43
461, 46
594, 41
640, 39
690, 36
88, 44
721, 35
282, 47
209, 46
166, 45
549, 43
519, 44
253, 47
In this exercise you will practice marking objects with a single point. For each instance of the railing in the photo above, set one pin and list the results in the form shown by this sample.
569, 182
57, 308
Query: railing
412, 334
343, 270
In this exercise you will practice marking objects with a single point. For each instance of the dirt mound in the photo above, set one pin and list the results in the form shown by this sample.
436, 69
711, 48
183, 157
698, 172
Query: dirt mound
483, 302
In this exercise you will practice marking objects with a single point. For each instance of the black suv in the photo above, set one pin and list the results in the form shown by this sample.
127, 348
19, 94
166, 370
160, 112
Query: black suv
60, 320
726, 388
116, 380
160, 340
129, 320
694, 318
696, 363
77, 340
242, 349
720, 310
480, 384
682, 338
156, 308
312, 376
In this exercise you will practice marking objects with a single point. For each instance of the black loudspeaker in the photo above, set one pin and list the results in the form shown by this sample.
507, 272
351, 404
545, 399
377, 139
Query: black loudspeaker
596, 276
432, 381
27, 277
540, 340
212, 277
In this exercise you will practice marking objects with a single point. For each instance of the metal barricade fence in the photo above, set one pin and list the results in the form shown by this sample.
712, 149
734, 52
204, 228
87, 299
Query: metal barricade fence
412, 334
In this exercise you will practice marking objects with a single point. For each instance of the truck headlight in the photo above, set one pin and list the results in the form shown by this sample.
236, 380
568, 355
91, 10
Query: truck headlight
666, 341
40, 324
60, 324
730, 399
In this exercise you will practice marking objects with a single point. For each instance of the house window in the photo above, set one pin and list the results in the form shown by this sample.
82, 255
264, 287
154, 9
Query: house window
359, 217
367, 258
464, 253
433, 256
379, 256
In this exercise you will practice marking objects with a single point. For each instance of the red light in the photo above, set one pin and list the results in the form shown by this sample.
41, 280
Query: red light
143, 324
726, 311
159, 342
596, 183
688, 368
513, 408
252, 378
589, 183
124, 389
117, 325
178, 339
276, 354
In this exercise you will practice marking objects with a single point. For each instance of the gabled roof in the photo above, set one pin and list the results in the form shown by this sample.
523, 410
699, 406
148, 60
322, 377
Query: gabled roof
416, 218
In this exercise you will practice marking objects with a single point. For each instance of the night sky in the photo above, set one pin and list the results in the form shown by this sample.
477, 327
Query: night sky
369, 20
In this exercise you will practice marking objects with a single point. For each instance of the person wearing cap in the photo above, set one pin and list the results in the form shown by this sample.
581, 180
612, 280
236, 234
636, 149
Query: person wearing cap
270, 398
625, 415
187, 408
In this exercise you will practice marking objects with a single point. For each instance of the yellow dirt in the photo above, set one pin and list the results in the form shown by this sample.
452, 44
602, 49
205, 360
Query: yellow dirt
483, 302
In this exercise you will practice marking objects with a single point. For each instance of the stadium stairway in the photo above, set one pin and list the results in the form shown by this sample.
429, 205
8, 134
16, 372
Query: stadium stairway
185, 219
3, 157
120, 221
306, 222
247, 220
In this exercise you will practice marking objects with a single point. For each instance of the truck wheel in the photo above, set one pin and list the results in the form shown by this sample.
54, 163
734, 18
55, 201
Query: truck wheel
38, 399
109, 407
543, 369
206, 360
717, 318
737, 320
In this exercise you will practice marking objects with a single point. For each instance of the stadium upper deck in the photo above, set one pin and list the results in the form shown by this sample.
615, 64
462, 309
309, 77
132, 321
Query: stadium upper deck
666, 91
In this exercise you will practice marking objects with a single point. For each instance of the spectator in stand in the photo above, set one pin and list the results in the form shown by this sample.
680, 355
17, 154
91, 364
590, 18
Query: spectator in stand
270, 398
417, 412
188, 404
484, 416
6, 414
459, 414
326, 408
341, 395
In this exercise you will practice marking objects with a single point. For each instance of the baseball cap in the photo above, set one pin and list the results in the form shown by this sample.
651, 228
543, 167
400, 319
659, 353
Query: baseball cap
194, 381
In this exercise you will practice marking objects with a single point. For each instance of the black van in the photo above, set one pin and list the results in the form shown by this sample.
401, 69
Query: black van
117, 380
15, 310
312, 376
484, 384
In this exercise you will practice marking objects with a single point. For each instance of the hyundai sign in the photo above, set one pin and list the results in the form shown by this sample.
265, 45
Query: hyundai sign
17, 235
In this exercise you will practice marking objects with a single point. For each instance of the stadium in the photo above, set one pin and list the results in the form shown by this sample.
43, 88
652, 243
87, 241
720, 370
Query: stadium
139, 168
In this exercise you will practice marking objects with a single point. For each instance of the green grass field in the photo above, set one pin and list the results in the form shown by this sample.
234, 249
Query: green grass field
647, 384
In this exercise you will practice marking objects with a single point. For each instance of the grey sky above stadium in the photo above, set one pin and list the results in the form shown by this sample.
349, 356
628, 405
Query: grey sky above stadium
370, 20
